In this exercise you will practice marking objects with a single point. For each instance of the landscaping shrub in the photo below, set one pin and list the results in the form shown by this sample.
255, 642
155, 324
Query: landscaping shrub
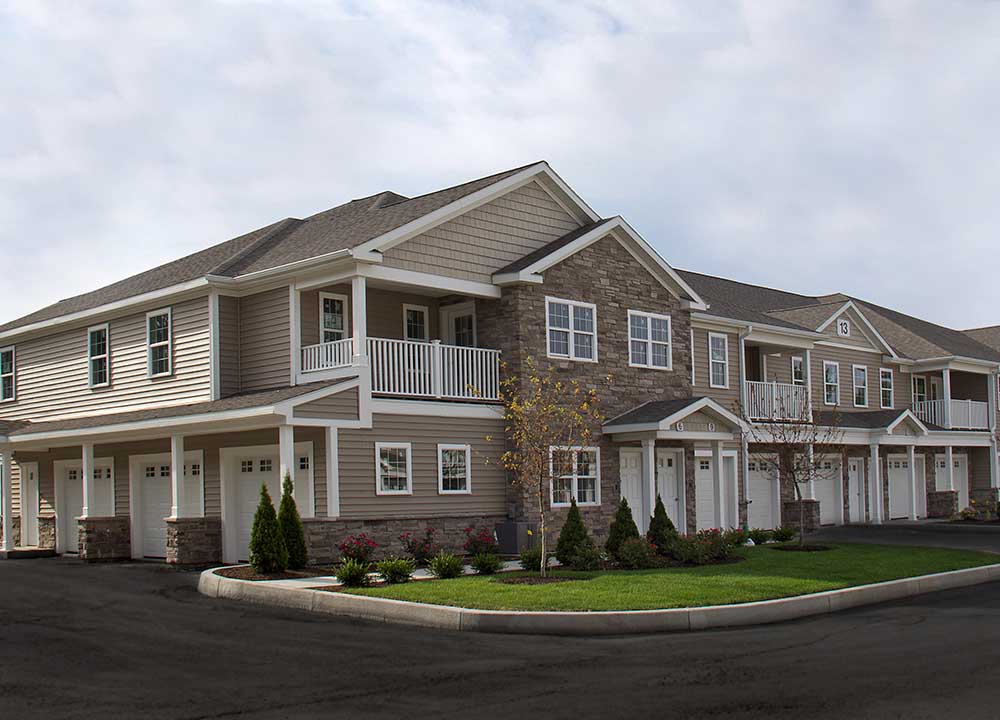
358, 547
480, 542
573, 538
531, 559
292, 530
737, 537
420, 548
486, 563
783, 533
353, 573
622, 528
687, 550
395, 570
268, 553
637, 554
586, 558
662, 532
760, 536
445, 565
717, 545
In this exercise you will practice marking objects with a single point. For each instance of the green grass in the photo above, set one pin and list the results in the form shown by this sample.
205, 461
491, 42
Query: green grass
764, 574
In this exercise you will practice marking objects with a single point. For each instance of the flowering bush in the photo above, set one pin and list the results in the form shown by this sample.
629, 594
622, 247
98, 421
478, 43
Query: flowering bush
637, 553
358, 548
480, 542
707, 546
420, 548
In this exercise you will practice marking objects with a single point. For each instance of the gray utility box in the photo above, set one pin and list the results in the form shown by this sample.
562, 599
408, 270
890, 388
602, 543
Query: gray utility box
513, 536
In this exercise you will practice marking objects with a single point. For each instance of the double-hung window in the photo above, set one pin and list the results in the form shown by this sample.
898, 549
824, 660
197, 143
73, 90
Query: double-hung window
860, 374
885, 388
415, 325
919, 388
649, 340
8, 367
575, 474
831, 383
159, 337
454, 468
332, 317
718, 360
393, 469
99, 356
798, 371
571, 329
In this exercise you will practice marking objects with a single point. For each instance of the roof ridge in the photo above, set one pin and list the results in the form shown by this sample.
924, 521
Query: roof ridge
276, 232
511, 171
747, 284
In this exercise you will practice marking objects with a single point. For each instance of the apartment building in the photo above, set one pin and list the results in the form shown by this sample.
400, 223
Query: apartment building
359, 351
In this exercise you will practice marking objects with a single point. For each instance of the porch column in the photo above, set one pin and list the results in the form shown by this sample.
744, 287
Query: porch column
745, 464
286, 453
7, 504
946, 374
807, 378
991, 390
811, 485
359, 318
745, 411
875, 484
911, 462
332, 473
949, 471
178, 491
717, 483
649, 475
295, 334
88, 479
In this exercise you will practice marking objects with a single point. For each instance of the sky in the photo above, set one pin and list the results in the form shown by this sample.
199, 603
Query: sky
813, 146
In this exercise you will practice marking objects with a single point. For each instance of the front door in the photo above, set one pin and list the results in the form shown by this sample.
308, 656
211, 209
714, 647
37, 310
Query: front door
668, 485
937, 389
855, 490
828, 487
29, 504
631, 481
70, 508
458, 324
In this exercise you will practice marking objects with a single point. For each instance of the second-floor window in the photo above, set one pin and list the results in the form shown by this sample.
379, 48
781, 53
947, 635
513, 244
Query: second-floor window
99, 356
798, 371
571, 329
649, 340
7, 369
415, 323
831, 383
860, 386
454, 463
332, 317
718, 360
919, 388
885, 388
159, 336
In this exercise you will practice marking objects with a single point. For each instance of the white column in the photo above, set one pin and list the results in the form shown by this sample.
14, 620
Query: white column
359, 318
178, 491
717, 476
811, 484
295, 336
946, 373
949, 472
332, 473
7, 504
88, 479
991, 389
286, 454
649, 481
875, 484
745, 465
743, 377
807, 361
911, 462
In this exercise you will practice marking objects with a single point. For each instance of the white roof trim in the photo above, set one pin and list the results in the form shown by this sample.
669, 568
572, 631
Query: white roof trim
849, 305
907, 414
665, 423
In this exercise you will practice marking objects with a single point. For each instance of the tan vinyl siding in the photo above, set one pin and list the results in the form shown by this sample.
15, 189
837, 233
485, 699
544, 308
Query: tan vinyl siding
229, 345
265, 341
979, 468
385, 312
779, 369
727, 397
342, 406
357, 467
52, 371
861, 335
481, 241
15, 488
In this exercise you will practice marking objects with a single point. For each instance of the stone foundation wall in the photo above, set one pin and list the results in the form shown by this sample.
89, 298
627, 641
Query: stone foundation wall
942, 503
47, 533
790, 514
323, 536
986, 501
105, 538
194, 541
15, 522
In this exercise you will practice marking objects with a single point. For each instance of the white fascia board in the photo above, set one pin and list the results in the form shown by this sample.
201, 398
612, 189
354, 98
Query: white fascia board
296, 266
907, 415
554, 178
754, 326
666, 423
955, 362
443, 283
385, 406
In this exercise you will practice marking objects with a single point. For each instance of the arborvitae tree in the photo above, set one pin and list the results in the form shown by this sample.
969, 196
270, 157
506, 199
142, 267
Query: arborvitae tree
662, 532
622, 528
573, 537
268, 553
292, 530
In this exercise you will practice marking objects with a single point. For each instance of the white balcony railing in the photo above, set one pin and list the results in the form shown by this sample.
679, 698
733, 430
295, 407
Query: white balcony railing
421, 369
327, 356
965, 414
775, 401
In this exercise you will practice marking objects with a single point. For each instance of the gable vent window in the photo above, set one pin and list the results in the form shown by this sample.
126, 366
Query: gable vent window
159, 336
98, 355
7, 370
571, 329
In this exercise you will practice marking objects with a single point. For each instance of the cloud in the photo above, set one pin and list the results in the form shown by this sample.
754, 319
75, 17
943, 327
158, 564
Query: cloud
814, 147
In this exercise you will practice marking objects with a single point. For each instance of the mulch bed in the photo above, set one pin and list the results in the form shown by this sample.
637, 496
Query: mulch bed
537, 580
245, 572
801, 548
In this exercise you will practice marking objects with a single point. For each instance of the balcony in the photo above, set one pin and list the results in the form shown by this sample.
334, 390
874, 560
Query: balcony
964, 414
775, 401
406, 368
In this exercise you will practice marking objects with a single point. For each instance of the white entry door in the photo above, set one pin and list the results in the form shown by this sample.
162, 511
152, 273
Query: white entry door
669, 486
763, 490
829, 491
70, 508
252, 472
156, 504
631, 480
900, 490
704, 493
855, 490
29, 504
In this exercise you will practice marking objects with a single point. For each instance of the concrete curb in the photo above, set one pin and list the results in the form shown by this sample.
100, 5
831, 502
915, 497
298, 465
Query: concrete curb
589, 623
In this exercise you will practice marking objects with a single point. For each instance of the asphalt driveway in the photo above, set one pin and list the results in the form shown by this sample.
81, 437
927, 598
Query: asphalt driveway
138, 641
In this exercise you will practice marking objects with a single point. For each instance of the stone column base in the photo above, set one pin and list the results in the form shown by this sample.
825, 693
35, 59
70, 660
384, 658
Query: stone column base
194, 541
47, 533
790, 514
15, 523
105, 538
942, 503
986, 502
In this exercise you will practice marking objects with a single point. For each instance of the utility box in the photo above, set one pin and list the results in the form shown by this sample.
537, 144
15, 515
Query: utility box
513, 536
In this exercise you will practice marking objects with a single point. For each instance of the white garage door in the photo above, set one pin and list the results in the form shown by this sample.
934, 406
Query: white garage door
960, 475
252, 472
70, 503
704, 493
761, 483
900, 489
156, 501
828, 484
71, 507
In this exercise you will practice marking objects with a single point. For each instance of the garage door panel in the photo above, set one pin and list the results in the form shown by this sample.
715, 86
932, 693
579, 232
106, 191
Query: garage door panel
827, 488
704, 493
761, 484
252, 472
900, 488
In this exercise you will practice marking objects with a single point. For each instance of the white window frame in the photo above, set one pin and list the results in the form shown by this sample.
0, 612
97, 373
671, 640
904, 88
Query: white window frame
846, 325
881, 388
826, 364
648, 340
802, 368
427, 322
169, 343
575, 487
855, 387
379, 447
571, 330
467, 449
913, 388
12, 349
106, 329
347, 315
711, 361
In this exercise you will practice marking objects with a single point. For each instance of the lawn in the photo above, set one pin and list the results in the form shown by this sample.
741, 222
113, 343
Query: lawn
764, 574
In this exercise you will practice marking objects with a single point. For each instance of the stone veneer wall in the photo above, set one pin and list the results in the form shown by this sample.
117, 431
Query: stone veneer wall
942, 503
47, 533
986, 501
194, 541
105, 538
790, 514
323, 536
15, 523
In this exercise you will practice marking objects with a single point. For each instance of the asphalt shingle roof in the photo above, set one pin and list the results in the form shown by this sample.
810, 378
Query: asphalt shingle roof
652, 411
988, 336
549, 248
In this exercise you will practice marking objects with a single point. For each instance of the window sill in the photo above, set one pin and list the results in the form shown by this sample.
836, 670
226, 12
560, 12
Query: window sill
383, 493
570, 359
558, 506
454, 492
667, 368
